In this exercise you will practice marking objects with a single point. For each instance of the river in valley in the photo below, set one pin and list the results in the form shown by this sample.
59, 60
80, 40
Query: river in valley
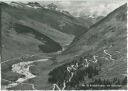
23, 69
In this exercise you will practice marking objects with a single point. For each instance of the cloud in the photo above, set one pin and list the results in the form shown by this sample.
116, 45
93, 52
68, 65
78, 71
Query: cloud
98, 8
83, 7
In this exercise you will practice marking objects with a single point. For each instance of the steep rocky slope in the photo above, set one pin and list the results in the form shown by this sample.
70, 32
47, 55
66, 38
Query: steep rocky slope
88, 21
101, 61
96, 60
103, 32
28, 30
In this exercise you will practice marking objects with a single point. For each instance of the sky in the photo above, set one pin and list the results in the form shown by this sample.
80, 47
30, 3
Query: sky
98, 8
83, 7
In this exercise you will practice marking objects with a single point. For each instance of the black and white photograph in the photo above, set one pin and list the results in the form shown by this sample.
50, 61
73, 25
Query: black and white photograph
63, 45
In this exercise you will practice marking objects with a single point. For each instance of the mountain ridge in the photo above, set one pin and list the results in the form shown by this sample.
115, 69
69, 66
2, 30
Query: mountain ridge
56, 25
96, 24
100, 58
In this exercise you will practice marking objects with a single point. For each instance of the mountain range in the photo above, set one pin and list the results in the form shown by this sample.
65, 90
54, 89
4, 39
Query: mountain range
98, 57
83, 53
36, 30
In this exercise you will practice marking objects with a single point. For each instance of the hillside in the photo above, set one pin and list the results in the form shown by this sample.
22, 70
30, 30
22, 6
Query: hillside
27, 30
95, 60
99, 58
86, 21
58, 20
96, 34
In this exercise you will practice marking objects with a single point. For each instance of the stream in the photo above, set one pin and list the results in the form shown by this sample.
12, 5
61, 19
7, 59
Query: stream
23, 69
